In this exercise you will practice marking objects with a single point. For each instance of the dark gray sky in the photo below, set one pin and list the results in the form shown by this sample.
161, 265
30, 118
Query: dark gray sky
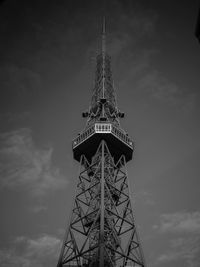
47, 64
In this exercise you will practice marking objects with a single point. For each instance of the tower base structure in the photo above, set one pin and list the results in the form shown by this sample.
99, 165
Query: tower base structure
102, 230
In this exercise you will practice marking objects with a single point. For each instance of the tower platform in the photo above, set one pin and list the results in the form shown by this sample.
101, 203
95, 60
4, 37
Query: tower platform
88, 141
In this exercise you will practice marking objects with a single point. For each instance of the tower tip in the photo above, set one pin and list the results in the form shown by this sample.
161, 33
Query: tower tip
104, 25
104, 36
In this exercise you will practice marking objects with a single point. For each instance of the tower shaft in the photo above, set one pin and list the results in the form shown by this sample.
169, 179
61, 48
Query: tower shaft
102, 230
102, 206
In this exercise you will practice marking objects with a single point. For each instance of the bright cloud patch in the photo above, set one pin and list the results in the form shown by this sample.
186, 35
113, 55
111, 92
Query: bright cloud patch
184, 222
26, 252
23, 165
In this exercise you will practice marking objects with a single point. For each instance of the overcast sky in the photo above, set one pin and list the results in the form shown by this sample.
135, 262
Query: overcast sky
47, 65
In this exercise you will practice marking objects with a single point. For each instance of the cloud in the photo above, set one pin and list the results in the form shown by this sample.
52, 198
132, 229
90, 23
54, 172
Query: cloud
24, 166
182, 239
132, 28
11, 117
38, 209
134, 61
18, 79
145, 197
40, 252
159, 87
134, 24
137, 68
182, 250
180, 222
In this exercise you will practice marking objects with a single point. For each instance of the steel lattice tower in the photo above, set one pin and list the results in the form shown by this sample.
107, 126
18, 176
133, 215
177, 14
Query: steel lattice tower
102, 231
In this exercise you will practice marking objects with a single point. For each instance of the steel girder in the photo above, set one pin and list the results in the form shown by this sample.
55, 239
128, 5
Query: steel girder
102, 231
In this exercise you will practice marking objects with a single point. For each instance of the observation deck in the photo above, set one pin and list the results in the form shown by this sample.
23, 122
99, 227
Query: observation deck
88, 141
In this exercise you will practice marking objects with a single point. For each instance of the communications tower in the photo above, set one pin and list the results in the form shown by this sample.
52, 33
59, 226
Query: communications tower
102, 230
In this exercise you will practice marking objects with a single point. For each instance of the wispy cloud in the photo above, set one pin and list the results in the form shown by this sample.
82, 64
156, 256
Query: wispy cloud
138, 71
11, 117
135, 62
19, 80
160, 88
40, 252
180, 222
181, 230
185, 251
145, 197
23, 165
134, 24
132, 28
38, 209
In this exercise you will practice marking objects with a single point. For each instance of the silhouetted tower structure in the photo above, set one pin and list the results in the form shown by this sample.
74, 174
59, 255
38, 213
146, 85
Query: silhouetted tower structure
102, 231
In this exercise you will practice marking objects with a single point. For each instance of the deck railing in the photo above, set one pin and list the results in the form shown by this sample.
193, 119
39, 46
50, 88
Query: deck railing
83, 136
102, 128
122, 136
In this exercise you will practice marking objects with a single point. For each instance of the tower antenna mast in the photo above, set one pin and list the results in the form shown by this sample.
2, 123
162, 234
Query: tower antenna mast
102, 230
103, 53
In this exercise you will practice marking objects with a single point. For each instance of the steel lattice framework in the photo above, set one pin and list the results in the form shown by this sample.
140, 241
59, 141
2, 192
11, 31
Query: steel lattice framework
102, 230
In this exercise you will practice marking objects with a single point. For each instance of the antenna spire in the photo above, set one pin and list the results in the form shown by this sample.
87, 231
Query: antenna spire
104, 36
103, 53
